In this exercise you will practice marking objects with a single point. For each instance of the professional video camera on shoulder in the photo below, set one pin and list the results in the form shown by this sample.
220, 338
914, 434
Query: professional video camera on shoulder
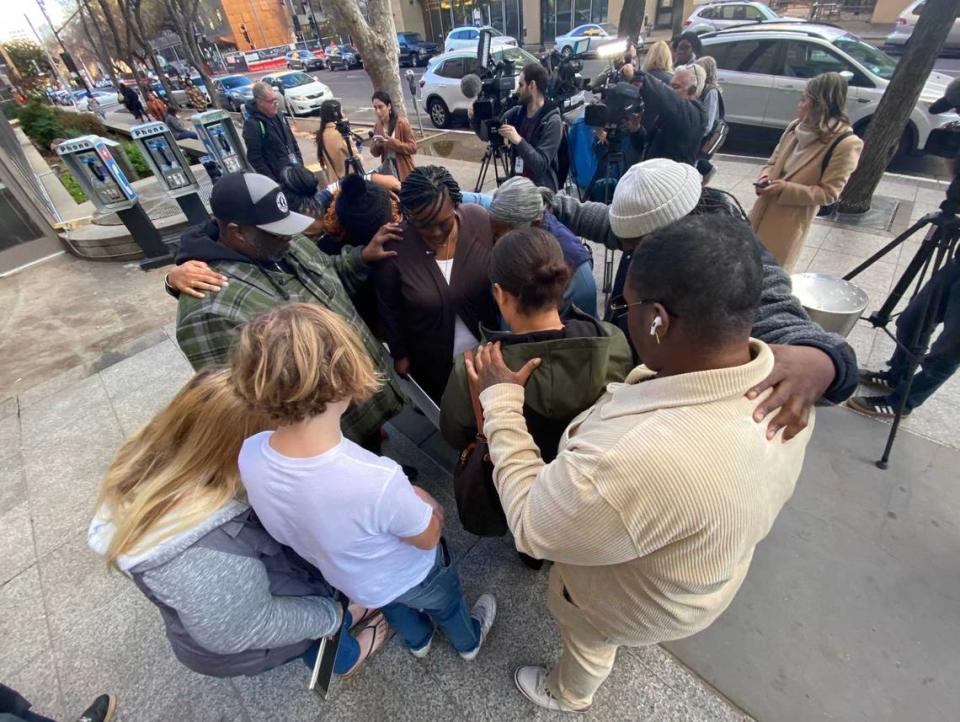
618, 98
944, 142
564, 73
491, 88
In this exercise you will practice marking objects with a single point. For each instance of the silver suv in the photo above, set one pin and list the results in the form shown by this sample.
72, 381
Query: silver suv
763, 70
721, 15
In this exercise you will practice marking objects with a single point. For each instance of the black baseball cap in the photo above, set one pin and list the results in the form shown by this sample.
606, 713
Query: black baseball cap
950, 99
251, 199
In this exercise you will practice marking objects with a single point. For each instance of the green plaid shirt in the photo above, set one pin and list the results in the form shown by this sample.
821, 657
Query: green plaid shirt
207, 327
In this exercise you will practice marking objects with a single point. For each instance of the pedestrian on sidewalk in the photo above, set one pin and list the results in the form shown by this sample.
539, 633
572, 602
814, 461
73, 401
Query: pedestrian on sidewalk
939, 363
131, 101
15, 708
195, 96
351, 513
656, 501
176, 126
393, 139
809, 168
93, 106
156, 107
234, 602
270, 143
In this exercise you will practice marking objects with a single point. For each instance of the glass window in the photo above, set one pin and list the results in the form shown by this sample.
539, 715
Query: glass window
452, 68
876, 61
746, 56
707, 14
17, 226
581, 12
548, 20
514, 19
599, 15
806, 60
752, 14
519, 56
564, 16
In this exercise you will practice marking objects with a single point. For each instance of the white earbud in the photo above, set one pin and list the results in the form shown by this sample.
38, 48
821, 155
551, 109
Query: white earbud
657, 323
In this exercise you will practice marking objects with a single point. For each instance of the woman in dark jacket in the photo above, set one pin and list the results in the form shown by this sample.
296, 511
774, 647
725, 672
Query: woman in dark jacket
435, 293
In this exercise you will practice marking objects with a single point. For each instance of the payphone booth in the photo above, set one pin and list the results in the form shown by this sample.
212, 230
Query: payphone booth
95, 169
216, 130
170, 166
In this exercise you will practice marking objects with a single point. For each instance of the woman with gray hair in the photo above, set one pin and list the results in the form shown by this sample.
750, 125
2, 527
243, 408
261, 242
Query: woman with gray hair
518, 203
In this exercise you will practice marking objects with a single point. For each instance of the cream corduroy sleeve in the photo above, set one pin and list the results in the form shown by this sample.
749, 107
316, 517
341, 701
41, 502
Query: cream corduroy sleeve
554, 510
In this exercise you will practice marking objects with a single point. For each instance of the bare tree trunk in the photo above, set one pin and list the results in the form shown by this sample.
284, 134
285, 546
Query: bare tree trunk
888, 123
100, 44
376, 41
134, 8
182, 14
122, 49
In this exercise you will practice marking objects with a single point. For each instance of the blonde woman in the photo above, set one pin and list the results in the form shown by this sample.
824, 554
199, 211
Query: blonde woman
710, 95
808, 169
659, 61
234, 601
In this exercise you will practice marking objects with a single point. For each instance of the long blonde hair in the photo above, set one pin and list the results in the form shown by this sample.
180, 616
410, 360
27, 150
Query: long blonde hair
828, 100
184, 459
658, 57
709, 66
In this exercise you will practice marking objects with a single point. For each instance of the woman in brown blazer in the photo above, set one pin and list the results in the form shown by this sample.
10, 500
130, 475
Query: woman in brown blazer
794, 184
435, 293
393, 139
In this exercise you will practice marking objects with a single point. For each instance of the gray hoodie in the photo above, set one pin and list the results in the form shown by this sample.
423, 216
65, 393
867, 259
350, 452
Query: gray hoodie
234, 600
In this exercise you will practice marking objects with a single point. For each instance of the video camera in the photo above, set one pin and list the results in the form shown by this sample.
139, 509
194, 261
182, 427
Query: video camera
564, 74
618, 98
492, 87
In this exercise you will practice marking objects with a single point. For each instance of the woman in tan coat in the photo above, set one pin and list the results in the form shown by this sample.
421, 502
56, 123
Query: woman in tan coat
794, 183
393, 139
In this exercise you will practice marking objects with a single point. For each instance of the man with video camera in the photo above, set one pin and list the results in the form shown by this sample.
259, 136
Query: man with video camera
533, 129
681, 118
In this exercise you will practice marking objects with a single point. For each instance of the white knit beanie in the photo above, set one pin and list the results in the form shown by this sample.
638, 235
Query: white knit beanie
653, 194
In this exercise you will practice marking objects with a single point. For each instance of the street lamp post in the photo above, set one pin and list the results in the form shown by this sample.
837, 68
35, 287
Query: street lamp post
43, 9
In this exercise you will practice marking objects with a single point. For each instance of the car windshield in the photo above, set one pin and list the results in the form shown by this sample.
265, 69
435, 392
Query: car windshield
294, 80
876, 61
235, 81
519, 56
494, 32
412, 37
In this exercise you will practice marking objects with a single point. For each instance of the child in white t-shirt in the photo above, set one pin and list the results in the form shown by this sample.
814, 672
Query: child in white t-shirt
351, 513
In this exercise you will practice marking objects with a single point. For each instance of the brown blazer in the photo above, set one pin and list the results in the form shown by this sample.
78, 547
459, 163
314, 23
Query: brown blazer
333, 158
403, 143
782, 222
419, 309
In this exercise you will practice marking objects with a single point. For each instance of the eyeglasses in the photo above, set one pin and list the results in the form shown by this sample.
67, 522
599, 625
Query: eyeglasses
618, 309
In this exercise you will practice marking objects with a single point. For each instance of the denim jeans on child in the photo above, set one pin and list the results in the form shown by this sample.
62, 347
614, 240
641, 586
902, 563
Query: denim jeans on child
437, 599
348, 651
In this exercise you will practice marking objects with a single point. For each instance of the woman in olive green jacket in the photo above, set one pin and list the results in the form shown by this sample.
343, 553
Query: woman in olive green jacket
580, 355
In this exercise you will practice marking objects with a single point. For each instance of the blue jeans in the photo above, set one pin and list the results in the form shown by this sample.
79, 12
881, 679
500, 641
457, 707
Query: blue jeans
437, 599
943, 358
348, 651
582, 290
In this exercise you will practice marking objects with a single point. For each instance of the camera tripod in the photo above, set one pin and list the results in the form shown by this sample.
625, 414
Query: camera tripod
936, 250
497, 155
612, 161
352, 162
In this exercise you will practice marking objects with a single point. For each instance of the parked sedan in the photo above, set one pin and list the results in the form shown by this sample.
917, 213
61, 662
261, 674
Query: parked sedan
300, 94
305, 60
233, 91
468, 38
344, 56
720, 15
584, 40
897, 40
763, 70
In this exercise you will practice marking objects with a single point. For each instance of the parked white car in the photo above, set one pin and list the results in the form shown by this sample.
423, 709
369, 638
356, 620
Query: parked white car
300, 94
108, 101
439, 89
585, 39
720, 15
907, 21
467, 38
764, 68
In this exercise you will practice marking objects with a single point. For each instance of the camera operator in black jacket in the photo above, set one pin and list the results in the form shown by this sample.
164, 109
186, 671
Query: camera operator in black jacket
534, 129
681, 118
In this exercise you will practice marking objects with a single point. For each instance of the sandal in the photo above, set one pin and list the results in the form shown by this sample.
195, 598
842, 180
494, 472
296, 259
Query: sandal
361, 615
380, 633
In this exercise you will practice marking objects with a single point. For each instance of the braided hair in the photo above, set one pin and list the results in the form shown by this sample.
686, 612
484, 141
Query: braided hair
425, 187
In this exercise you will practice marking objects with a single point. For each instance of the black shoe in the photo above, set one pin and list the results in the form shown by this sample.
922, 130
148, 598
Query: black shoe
878, 406
876, 379
102, 709
530, 562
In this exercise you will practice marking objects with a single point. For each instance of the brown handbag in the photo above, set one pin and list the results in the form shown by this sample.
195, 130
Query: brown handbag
478, 503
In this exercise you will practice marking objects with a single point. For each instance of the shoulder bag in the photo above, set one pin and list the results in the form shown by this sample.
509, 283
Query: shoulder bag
828, 210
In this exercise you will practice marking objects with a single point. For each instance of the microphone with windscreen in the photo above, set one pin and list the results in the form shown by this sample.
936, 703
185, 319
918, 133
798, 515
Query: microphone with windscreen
470, 86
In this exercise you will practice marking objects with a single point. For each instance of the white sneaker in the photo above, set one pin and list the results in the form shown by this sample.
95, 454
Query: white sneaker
424, 650
532, 683
484, 611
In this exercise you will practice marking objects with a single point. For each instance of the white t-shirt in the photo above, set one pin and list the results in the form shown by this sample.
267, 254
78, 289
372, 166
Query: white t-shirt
345, 512
463, 340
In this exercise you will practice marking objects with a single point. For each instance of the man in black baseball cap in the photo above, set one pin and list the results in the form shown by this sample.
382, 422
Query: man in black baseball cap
257, 243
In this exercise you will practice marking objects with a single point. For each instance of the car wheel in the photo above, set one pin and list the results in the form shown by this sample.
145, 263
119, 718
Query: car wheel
567, 52
439, 114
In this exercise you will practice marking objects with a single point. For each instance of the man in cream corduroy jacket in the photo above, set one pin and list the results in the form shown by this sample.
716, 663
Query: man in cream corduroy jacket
662, 489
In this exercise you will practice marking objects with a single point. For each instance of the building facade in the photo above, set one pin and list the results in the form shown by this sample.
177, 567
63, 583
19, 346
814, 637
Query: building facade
253, 24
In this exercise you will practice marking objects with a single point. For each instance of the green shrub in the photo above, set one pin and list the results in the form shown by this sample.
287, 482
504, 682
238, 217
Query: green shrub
39, 122
81, 123
136, 159
73, 188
